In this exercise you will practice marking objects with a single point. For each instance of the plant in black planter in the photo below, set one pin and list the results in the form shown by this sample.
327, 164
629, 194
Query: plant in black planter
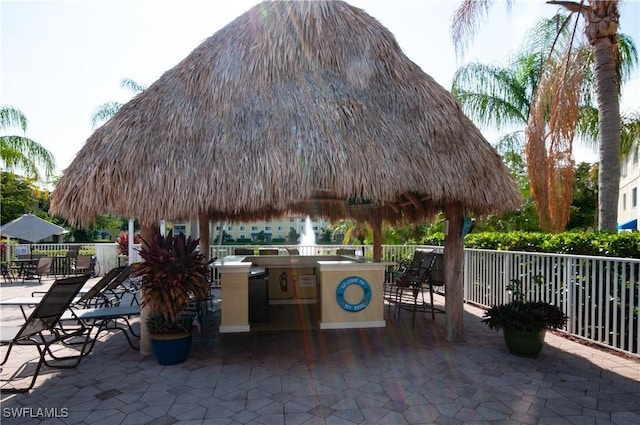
524, 323
173, 273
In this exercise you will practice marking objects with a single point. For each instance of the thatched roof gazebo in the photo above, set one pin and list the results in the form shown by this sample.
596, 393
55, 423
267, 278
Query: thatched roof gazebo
304, 107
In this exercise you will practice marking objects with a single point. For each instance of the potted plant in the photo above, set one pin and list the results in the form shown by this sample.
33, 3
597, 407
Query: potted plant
524, 323
174, 273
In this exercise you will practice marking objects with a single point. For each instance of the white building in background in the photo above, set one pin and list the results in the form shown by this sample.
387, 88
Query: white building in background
277, 229
628, 208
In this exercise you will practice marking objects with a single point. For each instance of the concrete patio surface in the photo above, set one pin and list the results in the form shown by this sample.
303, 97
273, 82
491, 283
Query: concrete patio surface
393, 375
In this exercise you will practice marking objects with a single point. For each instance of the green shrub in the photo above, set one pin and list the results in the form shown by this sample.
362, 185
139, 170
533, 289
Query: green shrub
624, 244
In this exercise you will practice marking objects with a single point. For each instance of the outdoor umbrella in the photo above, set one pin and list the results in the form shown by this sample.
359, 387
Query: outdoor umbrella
31, 228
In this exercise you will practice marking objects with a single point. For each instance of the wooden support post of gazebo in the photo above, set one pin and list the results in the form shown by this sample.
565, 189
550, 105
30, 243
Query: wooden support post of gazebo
147, 232
453, 264
203, 224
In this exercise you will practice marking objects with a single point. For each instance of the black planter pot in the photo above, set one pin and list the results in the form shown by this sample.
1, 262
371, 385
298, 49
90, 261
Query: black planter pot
170, 349
524, 343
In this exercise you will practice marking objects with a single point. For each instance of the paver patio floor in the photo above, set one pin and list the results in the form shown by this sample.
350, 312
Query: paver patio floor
393, 375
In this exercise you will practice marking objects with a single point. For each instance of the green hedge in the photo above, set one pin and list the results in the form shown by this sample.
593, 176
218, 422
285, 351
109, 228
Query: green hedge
625, 244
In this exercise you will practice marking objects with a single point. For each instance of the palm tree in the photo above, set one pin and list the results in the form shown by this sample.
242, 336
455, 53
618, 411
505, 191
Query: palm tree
601, 30
20, 152
630, 132
351, 229
504, 97
105, 111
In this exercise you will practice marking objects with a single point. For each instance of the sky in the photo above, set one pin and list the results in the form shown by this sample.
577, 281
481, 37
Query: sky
62, 59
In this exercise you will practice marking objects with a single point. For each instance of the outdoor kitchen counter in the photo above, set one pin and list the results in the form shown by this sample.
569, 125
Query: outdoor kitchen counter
347, 290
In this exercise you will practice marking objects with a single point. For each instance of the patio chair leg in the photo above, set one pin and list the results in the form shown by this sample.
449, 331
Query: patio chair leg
115, 327
6, 356
13, 390
416, 292
433, 311
398, 302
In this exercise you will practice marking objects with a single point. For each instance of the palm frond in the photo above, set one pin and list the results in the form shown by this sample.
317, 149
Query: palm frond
103, 112
22, 153
466, 20
492, 95
630, 132
627, 57
12, 118
132, 86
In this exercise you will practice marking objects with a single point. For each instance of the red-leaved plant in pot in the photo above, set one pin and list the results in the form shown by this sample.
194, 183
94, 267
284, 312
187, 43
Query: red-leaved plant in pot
174, 273
123, 242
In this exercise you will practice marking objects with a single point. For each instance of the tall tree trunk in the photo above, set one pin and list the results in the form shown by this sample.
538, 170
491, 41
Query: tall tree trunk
601, 30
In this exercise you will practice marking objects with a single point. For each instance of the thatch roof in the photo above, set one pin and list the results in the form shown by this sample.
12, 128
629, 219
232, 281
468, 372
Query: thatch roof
305, 107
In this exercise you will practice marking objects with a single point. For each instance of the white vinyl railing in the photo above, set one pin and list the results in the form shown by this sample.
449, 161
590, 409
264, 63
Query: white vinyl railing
600, 295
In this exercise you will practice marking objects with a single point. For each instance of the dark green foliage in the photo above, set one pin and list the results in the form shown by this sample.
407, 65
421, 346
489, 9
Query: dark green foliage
293, 236
161, 325
17, 196
624, 244
523, 315
325, 236
585, 194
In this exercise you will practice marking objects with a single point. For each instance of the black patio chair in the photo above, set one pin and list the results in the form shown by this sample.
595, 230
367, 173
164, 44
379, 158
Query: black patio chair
83, 264
124, 286
402, 268
36, 272
435, 278
412, 278
42, 330
103, 319
7, 273
100, 309
101, 294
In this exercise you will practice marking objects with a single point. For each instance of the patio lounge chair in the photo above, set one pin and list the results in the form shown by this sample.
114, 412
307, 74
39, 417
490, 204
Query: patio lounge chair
104, 319
99, 308
42, 330
103, 293
123, 286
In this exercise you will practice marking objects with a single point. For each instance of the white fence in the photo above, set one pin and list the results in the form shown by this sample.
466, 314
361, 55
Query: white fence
601, 295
